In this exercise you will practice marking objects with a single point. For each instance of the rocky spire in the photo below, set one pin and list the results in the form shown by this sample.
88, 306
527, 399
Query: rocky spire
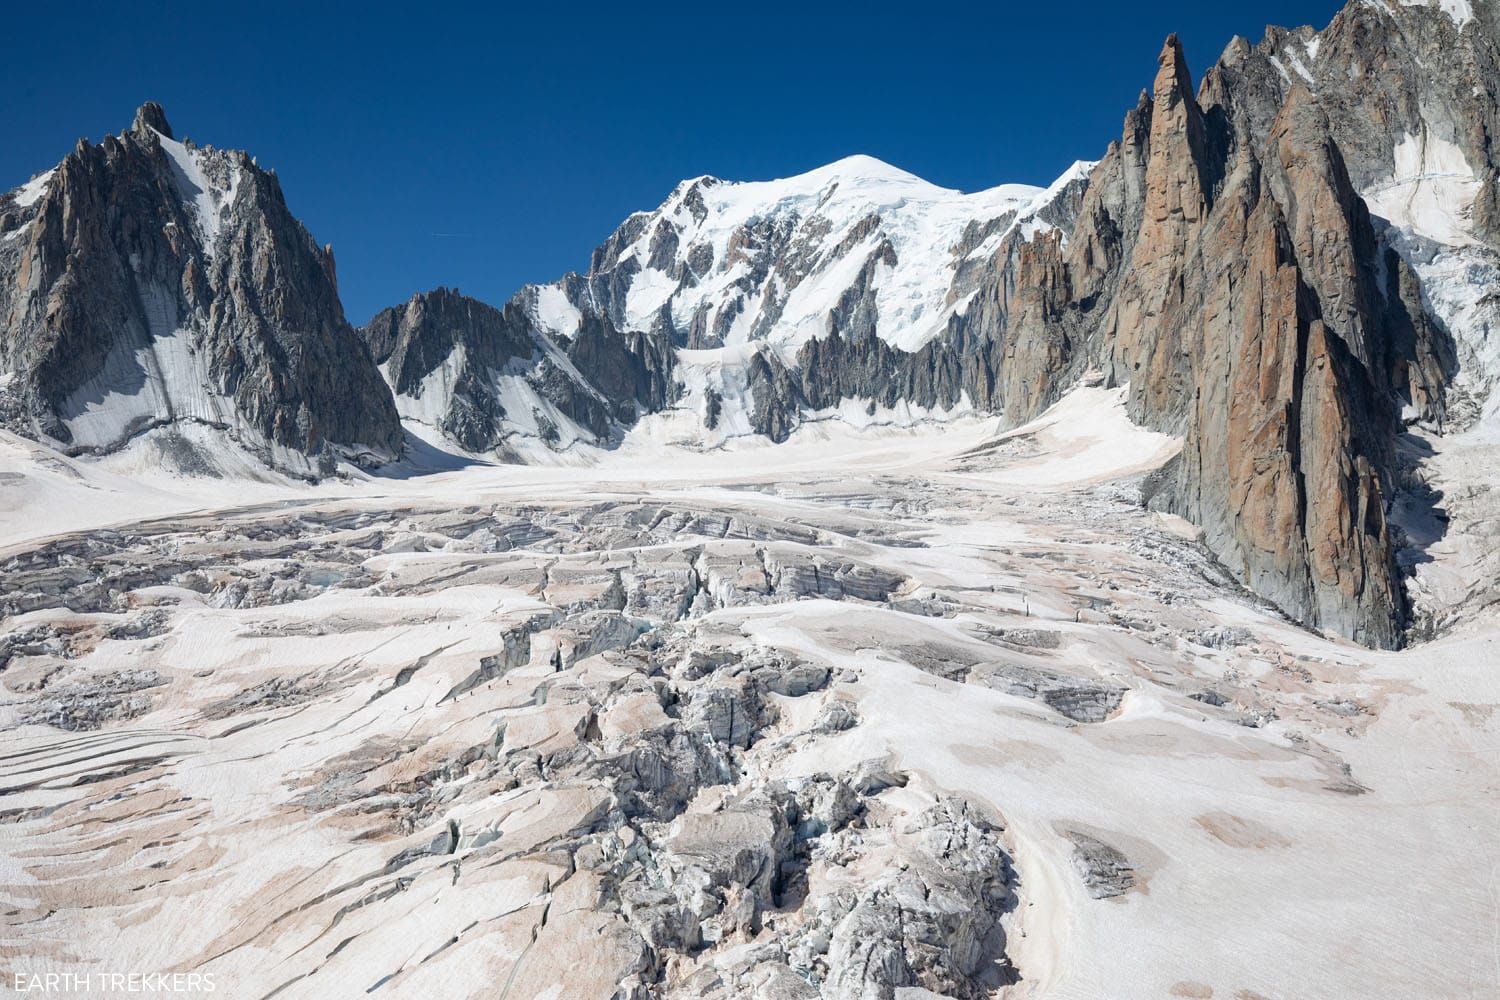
1177, 136
151, 116
1153, 311
1250, 319
331, 267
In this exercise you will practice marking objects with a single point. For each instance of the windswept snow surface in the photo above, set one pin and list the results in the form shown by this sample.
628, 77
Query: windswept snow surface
416, 736
1086, 438
165, 472
1430, 193
554, 313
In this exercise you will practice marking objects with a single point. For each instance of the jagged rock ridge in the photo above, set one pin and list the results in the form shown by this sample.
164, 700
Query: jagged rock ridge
495, 380
147, 282
1224, 264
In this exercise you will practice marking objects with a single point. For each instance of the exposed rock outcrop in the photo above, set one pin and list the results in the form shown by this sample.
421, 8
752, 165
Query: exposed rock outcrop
146, 282
494, 380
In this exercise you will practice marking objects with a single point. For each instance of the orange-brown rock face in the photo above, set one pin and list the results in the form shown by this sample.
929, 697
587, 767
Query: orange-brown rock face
1151, 329
1224, 266
1290, 426
1039, 349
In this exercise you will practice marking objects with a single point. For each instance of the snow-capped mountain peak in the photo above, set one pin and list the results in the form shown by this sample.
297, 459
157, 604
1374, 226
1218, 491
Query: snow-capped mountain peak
857, 246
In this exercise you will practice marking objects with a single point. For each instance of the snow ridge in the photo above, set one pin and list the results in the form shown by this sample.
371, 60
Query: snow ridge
733, 262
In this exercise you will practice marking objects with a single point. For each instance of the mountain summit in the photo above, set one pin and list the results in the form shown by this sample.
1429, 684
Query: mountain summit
1262, 268
149, 284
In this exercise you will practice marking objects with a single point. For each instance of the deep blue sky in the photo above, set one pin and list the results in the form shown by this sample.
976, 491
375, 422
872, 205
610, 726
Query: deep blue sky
525, 136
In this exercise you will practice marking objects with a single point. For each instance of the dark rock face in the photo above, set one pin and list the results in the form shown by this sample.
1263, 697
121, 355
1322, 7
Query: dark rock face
146, 282
483, 375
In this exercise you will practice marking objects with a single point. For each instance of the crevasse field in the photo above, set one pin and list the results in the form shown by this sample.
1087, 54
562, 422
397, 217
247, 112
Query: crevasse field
442, 735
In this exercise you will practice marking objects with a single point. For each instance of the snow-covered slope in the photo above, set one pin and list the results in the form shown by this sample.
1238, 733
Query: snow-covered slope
856, 246
1428, 207
1427, 210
